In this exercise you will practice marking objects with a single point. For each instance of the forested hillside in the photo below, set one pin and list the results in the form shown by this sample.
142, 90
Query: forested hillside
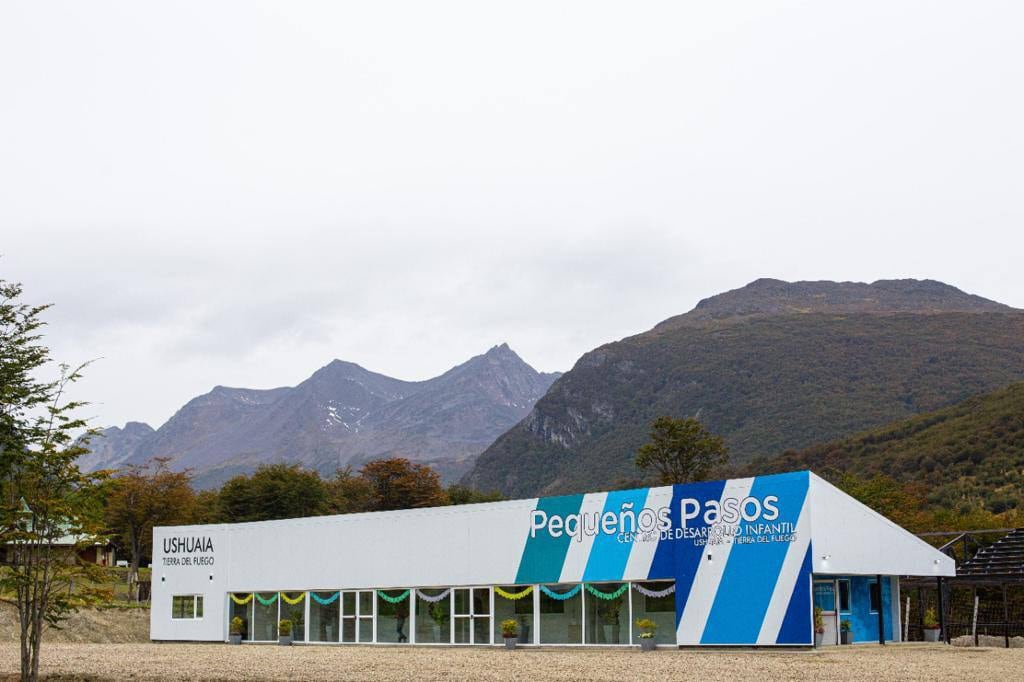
771, 367
967, 456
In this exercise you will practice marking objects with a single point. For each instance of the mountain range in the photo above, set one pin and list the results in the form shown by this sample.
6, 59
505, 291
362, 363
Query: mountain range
341, 415
772, 366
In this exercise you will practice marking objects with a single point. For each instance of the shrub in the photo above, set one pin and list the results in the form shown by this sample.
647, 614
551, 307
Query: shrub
647, 628
509, 628
285, 628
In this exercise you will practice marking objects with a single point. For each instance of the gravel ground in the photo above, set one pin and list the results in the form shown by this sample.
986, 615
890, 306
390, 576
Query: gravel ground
75, 661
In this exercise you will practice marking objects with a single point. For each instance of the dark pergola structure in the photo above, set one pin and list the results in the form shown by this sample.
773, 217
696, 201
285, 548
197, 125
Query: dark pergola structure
993, 568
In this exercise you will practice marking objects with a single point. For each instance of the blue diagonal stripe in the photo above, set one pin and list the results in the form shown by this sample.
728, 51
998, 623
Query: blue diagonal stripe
544, 555
608, 556
745, 591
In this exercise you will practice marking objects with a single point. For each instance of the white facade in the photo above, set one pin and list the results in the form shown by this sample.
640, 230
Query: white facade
814, 527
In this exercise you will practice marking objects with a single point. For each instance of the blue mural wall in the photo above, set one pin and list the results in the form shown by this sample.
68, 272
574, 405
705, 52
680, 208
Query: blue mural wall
864, 621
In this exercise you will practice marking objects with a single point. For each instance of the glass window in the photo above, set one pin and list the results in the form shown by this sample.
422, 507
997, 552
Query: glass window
561, 617
324, 615
518, 608
875, 596
393, 616
243, 611
187, 607
433, 618
825, 596
654, 601
844, 596
607, 613
366, 616
296, 613
264, 617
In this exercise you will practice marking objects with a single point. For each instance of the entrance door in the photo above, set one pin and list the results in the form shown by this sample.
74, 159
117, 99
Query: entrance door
357, 616
825, 599
472, 622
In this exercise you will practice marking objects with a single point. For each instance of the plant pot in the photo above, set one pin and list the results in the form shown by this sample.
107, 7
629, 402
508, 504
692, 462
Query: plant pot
931, 634
285, 640
647, 644
510, 642
818, 637
235, 639
846, 637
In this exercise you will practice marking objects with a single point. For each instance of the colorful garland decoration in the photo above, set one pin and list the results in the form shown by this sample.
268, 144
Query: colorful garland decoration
513, 595
266, 602
434, 599
325, 602
564, 595
293, 602
609, 596
243, 602
654, 594
393, 600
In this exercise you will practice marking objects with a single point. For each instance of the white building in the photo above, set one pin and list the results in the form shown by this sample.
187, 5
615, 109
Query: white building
737, 562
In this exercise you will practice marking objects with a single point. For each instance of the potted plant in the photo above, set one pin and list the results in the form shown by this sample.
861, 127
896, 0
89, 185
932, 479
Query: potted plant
846, 632
524, 629
647, 629
236, 629
439, 614
510, 632
284, 632
819, 626
610, 624
931, 626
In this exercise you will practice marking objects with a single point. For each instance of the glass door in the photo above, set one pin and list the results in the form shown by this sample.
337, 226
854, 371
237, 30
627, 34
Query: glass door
357, 616
825, 599
472, 615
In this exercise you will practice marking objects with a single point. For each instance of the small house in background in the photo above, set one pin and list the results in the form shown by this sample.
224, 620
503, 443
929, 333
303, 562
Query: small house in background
99, 551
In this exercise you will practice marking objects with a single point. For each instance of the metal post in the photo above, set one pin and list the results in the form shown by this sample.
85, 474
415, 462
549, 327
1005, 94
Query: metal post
942, 610
974, 619
881, 611
1006, 619
920, 609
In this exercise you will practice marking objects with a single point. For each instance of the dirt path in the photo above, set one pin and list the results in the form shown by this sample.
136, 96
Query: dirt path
221, 662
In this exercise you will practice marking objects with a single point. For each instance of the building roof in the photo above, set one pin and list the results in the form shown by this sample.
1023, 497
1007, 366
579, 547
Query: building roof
1004, 557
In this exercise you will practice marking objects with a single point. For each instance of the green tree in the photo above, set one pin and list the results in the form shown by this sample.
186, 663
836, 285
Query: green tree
143, 496
461, 494
50, 510
681, 451
274, 491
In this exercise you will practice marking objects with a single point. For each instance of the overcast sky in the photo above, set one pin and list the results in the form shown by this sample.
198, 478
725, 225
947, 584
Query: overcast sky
237, 192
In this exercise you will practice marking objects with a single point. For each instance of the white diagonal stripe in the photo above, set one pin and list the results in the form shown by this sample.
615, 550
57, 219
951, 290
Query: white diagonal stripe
579, 548
788, 574
641, 554
709, 576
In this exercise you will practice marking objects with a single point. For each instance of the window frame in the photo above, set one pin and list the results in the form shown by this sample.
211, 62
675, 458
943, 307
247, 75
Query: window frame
197, 606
